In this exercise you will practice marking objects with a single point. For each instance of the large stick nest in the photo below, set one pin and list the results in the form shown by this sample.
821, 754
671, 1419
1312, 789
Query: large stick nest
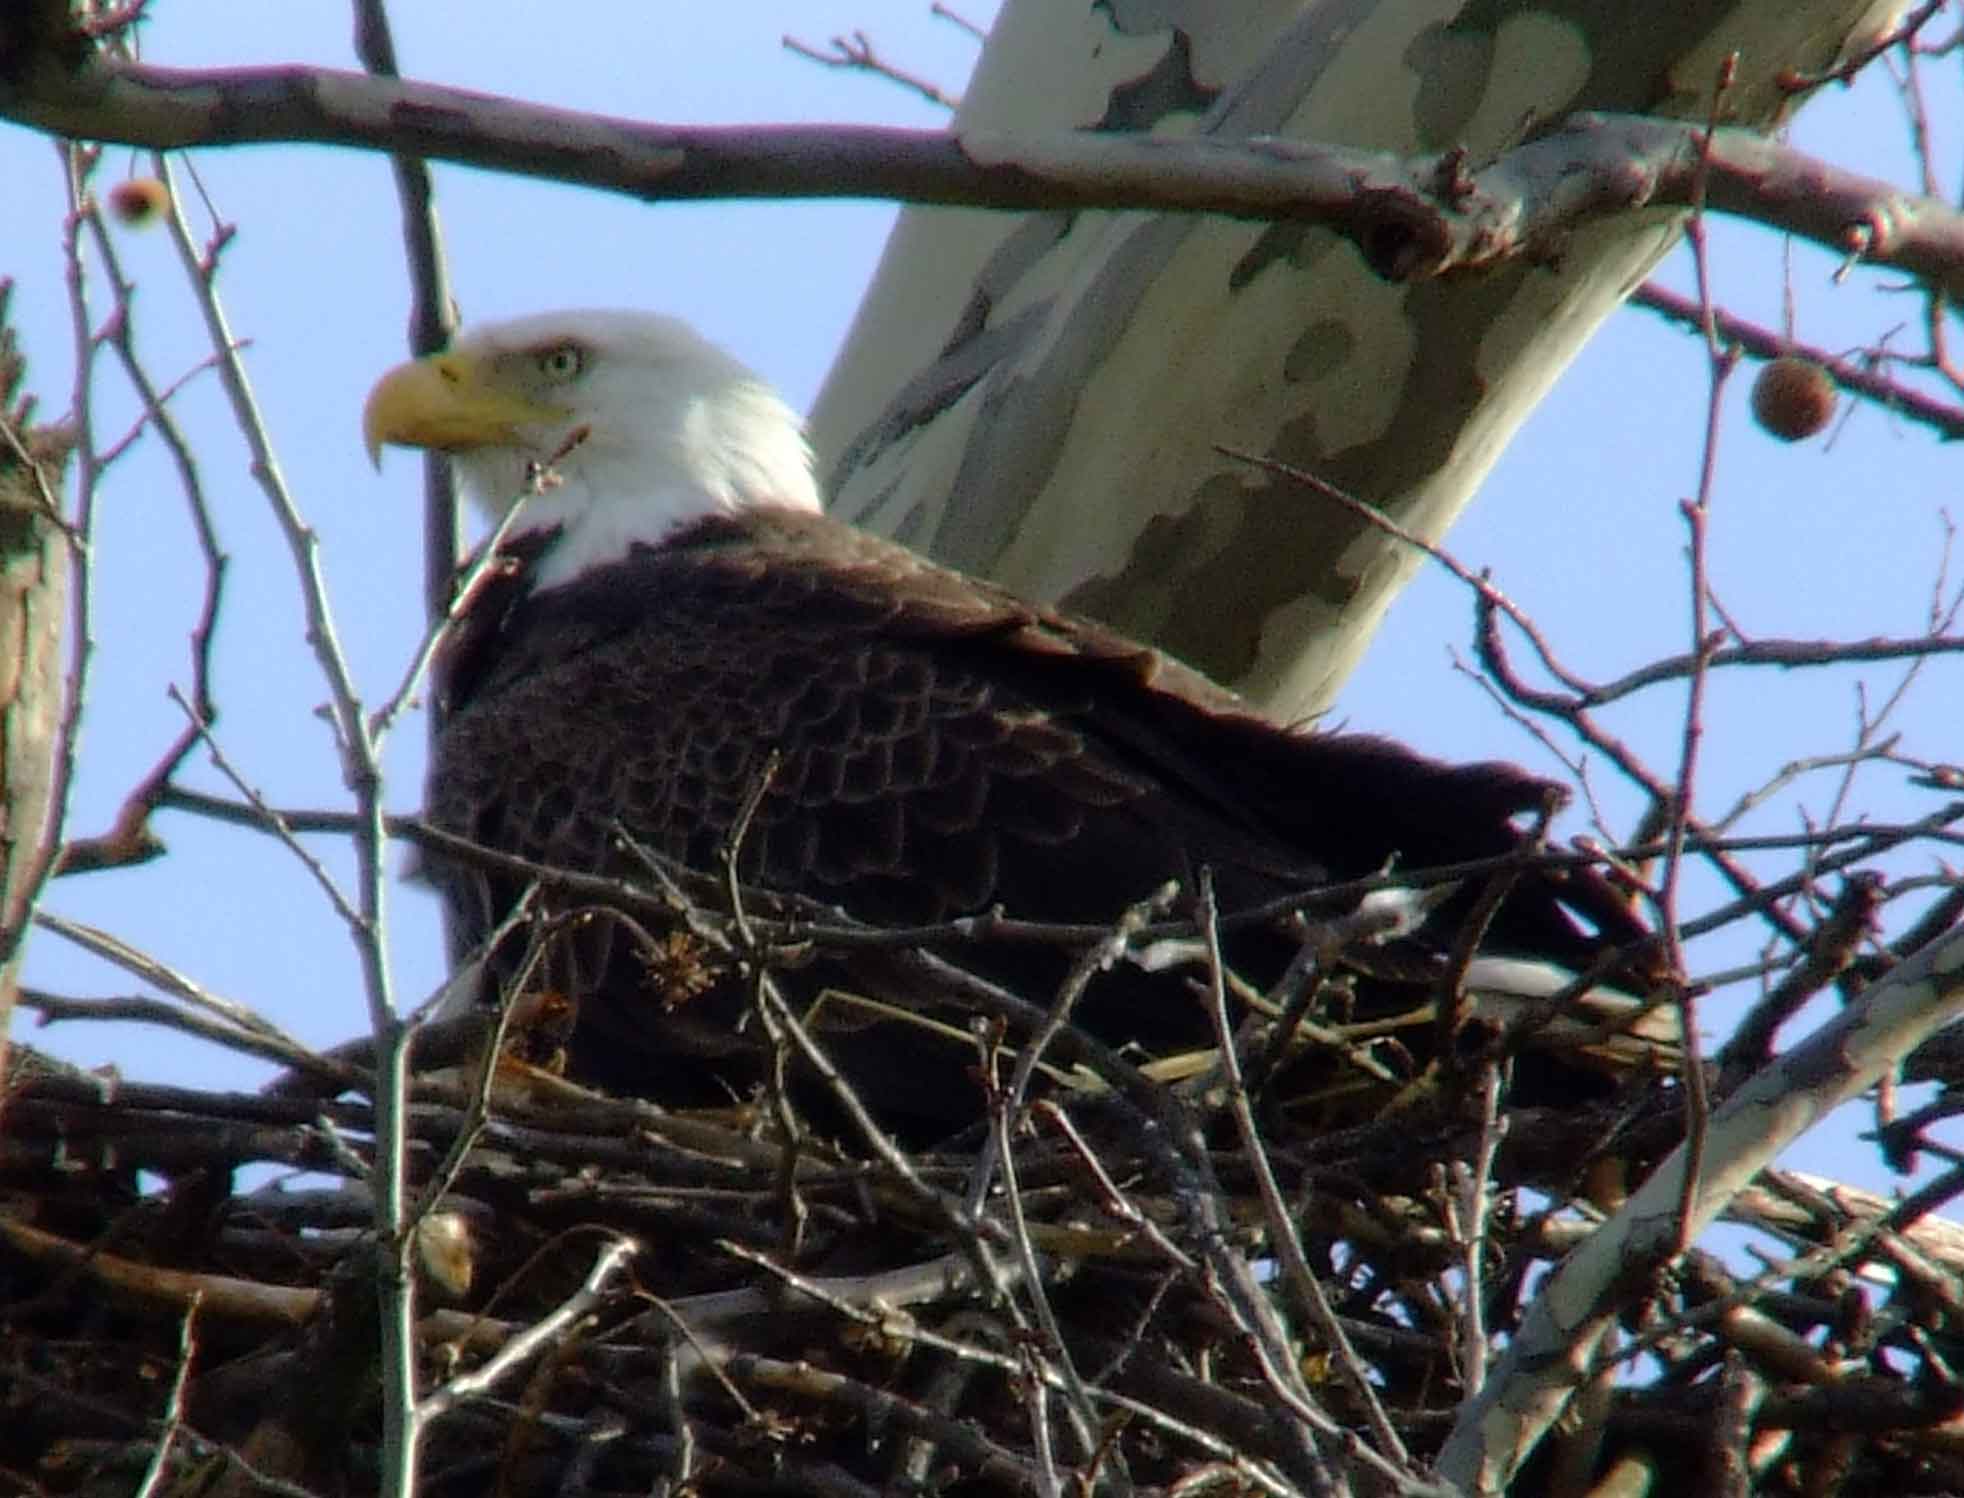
1119, 1283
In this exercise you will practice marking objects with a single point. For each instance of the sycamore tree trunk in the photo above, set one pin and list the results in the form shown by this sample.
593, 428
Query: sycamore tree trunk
34, 583
1063, 378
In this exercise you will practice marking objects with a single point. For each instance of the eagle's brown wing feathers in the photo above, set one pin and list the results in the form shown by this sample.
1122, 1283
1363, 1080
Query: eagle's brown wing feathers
941, 747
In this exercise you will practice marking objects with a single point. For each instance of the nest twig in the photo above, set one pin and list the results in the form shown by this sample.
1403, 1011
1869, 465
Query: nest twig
615, 1297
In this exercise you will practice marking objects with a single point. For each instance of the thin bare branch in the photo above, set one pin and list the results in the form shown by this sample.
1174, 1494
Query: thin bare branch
1408, 218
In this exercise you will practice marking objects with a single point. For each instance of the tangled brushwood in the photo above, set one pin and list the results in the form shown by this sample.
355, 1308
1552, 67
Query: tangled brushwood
1132, 1273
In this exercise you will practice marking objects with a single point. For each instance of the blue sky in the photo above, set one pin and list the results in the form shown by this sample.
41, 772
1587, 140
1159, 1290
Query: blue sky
1579, 521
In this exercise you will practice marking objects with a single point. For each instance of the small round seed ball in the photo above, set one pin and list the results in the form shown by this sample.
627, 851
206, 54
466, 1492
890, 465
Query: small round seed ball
1793, 398
138, 201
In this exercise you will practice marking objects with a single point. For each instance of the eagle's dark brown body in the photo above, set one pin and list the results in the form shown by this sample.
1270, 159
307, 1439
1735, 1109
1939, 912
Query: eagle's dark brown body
942, 748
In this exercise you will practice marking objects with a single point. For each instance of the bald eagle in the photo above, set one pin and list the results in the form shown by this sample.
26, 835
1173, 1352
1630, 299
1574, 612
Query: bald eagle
677, 627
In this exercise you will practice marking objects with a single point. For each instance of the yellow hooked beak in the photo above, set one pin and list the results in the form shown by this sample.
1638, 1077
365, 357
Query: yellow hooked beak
452, 402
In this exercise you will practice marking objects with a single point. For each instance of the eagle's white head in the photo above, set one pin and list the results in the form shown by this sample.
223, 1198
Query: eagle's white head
645, 425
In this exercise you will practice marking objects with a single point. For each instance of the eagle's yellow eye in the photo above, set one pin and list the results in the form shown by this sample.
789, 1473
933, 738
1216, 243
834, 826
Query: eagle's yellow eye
562, 362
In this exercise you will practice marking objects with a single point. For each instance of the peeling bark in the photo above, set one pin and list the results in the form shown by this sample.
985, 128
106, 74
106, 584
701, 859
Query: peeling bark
1064, 377
34, 580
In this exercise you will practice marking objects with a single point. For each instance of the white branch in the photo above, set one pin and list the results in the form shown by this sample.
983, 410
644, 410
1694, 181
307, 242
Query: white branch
1549, 1360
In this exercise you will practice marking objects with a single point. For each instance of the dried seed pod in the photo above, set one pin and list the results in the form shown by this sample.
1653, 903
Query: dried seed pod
1793, 398
139, 201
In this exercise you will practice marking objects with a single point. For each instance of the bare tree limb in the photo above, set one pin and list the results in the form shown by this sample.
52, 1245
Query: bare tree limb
432, 311
1548, 1360
1856, 375
1414, 217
